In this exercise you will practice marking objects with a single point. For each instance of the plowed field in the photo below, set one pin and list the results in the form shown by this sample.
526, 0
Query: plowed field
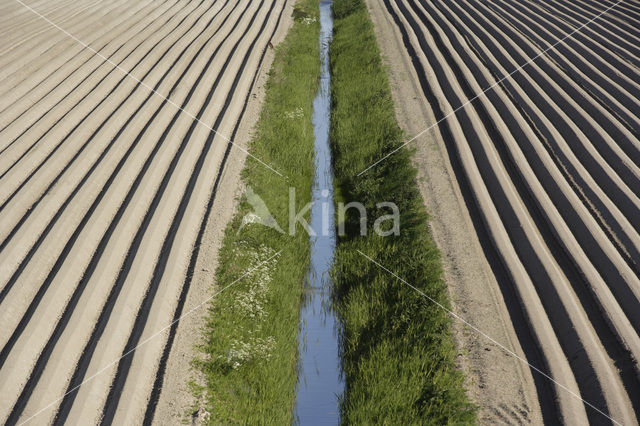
115, 127
548, 155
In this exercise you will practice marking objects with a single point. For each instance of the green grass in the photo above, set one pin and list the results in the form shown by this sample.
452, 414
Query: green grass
249, 357
398, 352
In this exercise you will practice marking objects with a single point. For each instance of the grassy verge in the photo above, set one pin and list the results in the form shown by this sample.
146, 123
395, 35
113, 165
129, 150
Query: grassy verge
249, 358
398, 352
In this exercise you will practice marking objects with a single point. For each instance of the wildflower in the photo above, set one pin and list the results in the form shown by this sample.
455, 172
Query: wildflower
296, 113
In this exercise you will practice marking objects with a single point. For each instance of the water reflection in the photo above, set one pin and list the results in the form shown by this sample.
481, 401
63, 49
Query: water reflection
320, 382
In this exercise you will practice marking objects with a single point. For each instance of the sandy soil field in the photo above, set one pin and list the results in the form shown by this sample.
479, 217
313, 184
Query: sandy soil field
534, 192
112, 199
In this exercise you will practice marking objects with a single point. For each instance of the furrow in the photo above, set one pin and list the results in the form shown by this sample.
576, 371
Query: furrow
29, 110
127, 400
137, 153
570, 408
68, 48
56, 42
25, 204
118, 316
155, 191
569, 247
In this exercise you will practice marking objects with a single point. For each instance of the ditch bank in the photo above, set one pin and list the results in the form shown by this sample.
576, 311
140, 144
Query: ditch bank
247, 367
397, 347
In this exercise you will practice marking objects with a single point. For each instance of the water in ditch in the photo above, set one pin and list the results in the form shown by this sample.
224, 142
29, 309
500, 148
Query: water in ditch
320, 381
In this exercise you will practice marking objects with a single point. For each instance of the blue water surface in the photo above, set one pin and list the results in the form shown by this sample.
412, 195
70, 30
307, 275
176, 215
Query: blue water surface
320, 381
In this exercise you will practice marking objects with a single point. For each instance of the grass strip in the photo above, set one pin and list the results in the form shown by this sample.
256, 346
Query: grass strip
398, 351
250, 355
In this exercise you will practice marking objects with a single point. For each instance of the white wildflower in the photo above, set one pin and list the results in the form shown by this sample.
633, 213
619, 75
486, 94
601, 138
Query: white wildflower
251, 304
242, 352
296, 113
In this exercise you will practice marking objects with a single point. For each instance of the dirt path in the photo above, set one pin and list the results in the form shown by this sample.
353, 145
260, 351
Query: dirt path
110, 193
533, 191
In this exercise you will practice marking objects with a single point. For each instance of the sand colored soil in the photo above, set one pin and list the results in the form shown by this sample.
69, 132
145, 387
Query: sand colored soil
113, 200
533, 191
